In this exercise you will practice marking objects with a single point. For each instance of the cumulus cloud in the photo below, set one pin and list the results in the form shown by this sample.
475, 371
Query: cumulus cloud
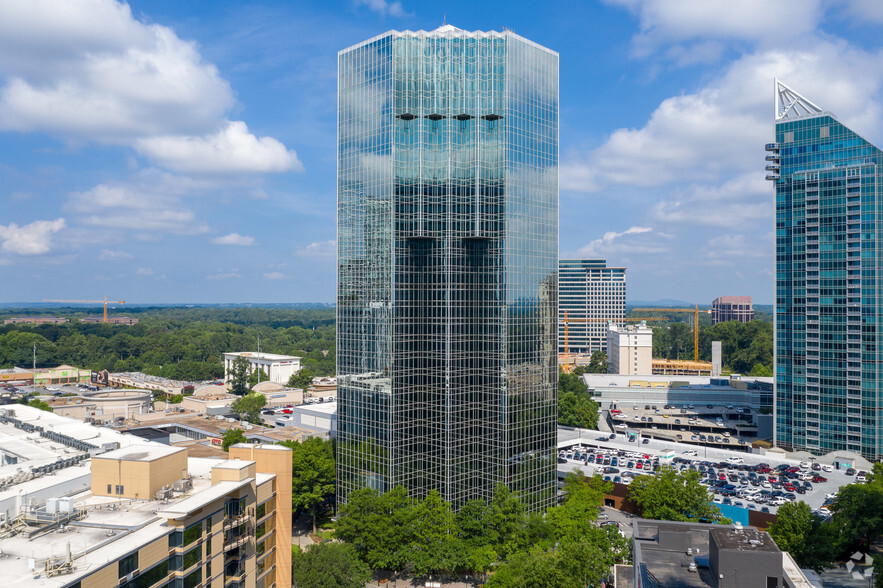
111, 255
89, 70
709, 22
383, 7
234, 239
144, 271
232, 150
225, 275
274, 276
31, 239
318, 250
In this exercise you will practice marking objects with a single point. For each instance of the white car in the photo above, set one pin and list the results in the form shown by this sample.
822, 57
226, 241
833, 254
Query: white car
805, 464
830, 496
734, 459
828, 468
690, 452
622, 426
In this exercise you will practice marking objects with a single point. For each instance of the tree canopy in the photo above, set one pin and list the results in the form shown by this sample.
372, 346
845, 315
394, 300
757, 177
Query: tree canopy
575, 405
312, 475
250, 406
232, 437
801, 533
673, 495
328, 565
37, 403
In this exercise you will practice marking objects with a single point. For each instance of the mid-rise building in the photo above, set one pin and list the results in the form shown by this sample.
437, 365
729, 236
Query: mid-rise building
112, 320
279, 368
100, 508
828, 183
589, 294
732, 308
629, 349
448, 265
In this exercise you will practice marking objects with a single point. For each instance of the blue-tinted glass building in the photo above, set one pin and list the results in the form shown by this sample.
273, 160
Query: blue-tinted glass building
828, 269
447, 265
589, 294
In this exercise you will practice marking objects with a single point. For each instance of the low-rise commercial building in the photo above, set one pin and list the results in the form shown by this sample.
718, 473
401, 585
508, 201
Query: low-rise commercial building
35, 320
103, 406
120, 510
320, 418
112, 320
703, 555
279, 368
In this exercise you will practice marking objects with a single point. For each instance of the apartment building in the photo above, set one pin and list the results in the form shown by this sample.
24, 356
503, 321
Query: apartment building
118, 510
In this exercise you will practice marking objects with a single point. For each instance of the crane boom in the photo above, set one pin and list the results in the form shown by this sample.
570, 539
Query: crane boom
105, 302
695, 312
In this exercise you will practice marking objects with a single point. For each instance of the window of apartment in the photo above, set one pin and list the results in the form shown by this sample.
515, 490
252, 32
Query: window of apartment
193, 579
192, 556
176, 563
261, 511
109, 486
151, 576
192, 533
128, 564
260, 548
260, 530
120, 489
176, 539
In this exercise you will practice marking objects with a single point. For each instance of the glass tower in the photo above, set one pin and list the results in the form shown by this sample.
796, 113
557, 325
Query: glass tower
828, 269
447, 265
588, 289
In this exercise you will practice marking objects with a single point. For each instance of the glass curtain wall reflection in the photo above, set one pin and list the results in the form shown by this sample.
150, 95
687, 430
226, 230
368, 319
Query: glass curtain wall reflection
828, 270
447, 265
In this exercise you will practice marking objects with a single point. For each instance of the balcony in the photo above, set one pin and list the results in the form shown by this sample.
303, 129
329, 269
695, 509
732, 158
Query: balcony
772, 177
772, 157
773, 167
236, 521
235, 542
771, 147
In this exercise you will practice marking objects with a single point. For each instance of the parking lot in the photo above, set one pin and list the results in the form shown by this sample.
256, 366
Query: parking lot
746, 482
715, 425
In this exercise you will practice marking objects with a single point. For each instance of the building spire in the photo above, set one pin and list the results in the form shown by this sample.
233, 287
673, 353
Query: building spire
790, 104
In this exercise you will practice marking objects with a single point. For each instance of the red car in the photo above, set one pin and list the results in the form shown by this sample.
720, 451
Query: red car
615, 411
773, 479
789, 487
286, 411
817, 479
639, 465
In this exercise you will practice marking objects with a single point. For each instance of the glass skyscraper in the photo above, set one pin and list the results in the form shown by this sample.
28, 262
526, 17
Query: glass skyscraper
828, 271
447, 265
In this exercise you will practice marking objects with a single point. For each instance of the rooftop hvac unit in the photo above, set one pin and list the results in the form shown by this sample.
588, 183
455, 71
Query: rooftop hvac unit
183, 485
52, 505
66, 504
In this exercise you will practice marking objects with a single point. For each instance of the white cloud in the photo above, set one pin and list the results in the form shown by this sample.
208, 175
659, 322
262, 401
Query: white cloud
865, 10
759, 21
31, 239
144, 271
150, 201
743, 199
383, 7
318, 250
234, 239
225, 275
719, 130
111, 255
274, 276
232, 150
87, 70
612, 243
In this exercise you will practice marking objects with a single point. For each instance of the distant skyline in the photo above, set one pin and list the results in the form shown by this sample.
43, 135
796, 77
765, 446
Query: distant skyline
166, 152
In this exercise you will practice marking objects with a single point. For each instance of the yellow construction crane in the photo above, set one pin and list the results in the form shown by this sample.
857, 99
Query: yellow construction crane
695, 312
567, 320
105, 302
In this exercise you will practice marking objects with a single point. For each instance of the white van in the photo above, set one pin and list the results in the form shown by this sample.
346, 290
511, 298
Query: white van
828, 468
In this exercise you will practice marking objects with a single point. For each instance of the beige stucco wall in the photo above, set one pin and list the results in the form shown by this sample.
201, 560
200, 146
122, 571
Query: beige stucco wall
140, 479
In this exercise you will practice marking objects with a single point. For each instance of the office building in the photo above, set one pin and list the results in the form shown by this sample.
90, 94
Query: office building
630, 349
828, 258
89, 507
35, 320
447, 265
111, 320
589, 294
732, 308
279, 368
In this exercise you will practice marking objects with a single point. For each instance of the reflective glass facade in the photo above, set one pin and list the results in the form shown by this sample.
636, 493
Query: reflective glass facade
828, 265
447, 265
588, 289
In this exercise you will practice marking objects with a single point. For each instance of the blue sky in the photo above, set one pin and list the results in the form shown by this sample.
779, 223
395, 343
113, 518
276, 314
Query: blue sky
167, 151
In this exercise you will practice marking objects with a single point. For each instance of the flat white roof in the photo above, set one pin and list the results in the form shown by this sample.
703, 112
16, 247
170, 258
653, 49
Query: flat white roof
263, 356
145, 452
235, 464
321, 407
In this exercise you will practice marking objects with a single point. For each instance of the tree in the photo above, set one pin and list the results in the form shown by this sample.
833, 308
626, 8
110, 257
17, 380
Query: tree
802, 534
232, 437
378, 526
239, 376
858, 512
37, 403
313, 474
257, 376
250, 406
575, 405
671, 495
301, 379
328, 565
434, 546
176, 399
597, 363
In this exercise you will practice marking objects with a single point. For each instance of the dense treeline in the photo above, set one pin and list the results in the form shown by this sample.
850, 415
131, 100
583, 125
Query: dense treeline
747, 347
179, 343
